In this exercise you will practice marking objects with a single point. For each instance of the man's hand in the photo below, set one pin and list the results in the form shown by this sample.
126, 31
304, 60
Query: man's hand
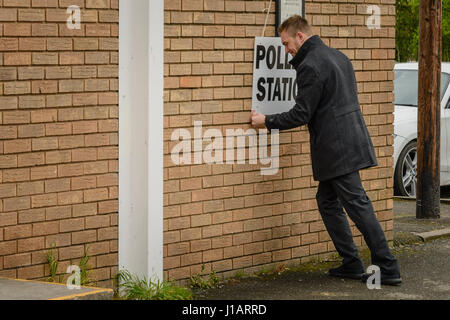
258, 120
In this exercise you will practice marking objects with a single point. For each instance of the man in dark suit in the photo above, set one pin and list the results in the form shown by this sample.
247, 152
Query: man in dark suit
327, 102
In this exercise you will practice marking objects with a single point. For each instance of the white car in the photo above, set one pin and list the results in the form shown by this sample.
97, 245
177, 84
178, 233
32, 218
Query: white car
405, 128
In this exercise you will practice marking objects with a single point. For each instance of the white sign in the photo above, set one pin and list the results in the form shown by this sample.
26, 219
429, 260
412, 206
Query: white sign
288, 8
274, 78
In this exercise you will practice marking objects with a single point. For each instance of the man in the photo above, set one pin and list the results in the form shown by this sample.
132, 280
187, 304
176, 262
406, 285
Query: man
327, 102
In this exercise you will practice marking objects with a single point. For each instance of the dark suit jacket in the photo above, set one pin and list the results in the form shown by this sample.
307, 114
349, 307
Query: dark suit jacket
327, 101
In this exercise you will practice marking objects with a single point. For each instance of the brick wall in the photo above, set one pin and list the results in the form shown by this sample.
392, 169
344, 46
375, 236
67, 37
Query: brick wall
229, 217
58, 137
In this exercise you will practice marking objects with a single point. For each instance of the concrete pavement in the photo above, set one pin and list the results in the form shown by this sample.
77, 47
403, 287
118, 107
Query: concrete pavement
424, 267
13, 289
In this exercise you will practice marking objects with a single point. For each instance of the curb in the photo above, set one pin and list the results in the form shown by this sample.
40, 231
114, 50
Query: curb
435, 234
100, 294
442, 200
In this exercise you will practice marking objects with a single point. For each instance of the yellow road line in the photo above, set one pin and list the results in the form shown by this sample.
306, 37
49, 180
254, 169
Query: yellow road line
71, 296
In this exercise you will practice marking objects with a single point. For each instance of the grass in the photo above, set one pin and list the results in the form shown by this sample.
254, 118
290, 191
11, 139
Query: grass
241, 275
263, 272
198, 282
131, 287
267, 272
405, 238
53, 262
84, 271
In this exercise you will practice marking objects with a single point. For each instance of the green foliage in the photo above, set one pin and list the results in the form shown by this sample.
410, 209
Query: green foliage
445, 30
84, 272
263, 272
276, 270
241, 275
131, 287
53, 265
407, 30
197, 281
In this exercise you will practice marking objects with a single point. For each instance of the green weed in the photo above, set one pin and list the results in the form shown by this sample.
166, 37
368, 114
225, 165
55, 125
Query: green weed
84, 271
53, 262
131, 287
198, 282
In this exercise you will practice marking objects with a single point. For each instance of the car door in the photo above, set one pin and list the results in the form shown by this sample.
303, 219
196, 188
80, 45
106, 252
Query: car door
445, 123
406, 94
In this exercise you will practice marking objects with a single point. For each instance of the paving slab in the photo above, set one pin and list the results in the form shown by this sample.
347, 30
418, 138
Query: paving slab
405, 220
434, 234
15, 289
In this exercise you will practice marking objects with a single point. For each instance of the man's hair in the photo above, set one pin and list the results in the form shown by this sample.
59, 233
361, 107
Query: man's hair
294, 24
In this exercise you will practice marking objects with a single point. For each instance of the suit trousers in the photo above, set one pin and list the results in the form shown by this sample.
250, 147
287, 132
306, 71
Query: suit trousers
347, 192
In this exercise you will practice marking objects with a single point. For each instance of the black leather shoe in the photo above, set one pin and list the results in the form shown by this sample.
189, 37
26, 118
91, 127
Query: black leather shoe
391, 280
345, 272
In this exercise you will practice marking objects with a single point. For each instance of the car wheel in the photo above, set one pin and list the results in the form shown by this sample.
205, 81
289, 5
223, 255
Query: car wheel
405, 178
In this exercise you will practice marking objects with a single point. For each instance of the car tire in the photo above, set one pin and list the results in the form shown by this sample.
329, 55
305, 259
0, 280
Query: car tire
405, 176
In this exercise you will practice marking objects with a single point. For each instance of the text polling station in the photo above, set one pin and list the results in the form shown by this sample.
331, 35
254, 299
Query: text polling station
274, 78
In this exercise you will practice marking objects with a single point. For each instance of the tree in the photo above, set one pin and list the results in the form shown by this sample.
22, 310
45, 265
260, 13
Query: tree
407, 30
445, 30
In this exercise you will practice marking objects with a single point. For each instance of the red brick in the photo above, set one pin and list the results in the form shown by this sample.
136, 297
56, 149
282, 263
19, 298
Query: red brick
17, 232
8, 219
18, 203
30, 188
45, 200
57, 213
71, 225
84, 236
17, 260
31, 244
32, 215
71, 252
31, 272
